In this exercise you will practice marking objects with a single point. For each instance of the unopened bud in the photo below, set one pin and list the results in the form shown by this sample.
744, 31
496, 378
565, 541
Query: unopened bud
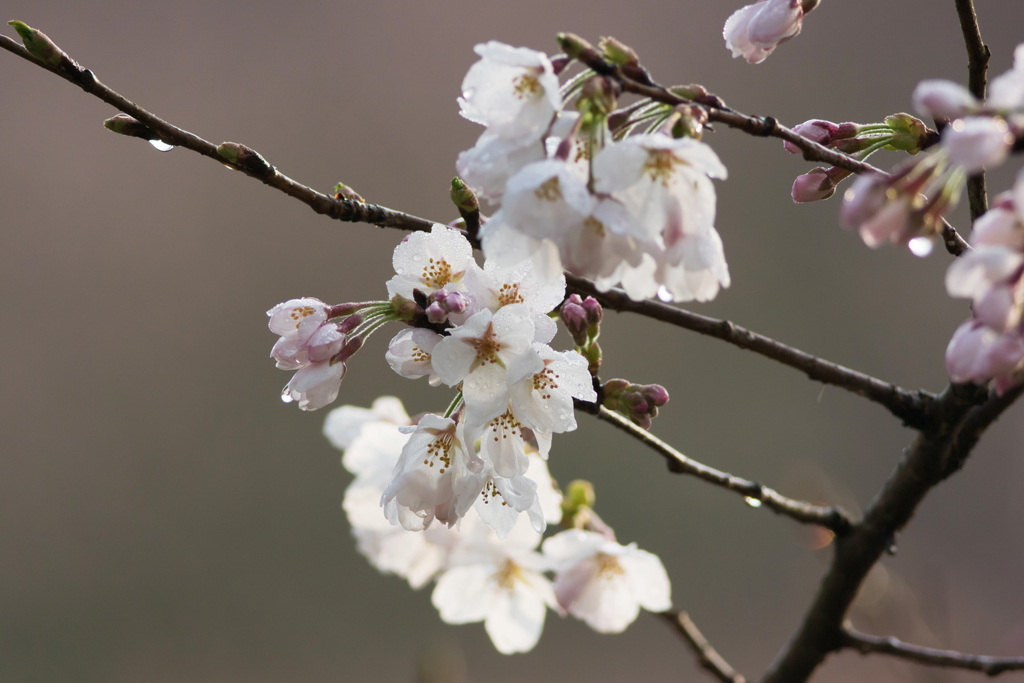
579, 494
618, 52
245, 158
909, 133
593, 355
454, 302
572, 45
343, 191
637, 402
38, 44
687, 121
405, 310
817, 184
123, 124
463, 196
436, 313
597, 96
574, 316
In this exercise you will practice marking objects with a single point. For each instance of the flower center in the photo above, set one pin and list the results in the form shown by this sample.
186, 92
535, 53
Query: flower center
509, 294
595, 225
440, 449
527, 86
301, 312
419, 355
608, 566
545, 381
490, 491
659, 165
507, 575
487, 347
504, 425
549, 191
437, 273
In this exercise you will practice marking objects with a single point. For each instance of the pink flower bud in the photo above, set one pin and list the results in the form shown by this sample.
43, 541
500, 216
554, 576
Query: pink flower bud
594, 311
815, 130
574, 316
436, 313
813, 186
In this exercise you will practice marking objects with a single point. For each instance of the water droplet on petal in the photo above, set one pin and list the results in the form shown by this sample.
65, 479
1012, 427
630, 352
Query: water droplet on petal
921, 246
417, 257
664, 294
161, 145
286, 394
753, 502
400, 271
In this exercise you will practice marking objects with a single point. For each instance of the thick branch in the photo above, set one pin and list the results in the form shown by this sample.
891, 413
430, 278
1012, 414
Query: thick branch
340, 209
964, 410
913, 408
977, 81
866, 644
707, 656
833, 518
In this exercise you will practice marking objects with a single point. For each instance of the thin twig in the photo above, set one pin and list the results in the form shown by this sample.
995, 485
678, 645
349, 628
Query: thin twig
341, 209
833, 518
963, 409
913, 408
867, 644
977, 81
707, 656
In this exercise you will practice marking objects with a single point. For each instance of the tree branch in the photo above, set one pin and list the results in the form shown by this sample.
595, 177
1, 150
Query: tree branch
965, 411
835, 519
913, 408
341, 209
707, 656
866, 644
977, 81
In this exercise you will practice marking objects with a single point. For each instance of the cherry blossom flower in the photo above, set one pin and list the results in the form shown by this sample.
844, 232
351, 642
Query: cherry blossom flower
817, 184
512, 90
543, 401
342, 425
603, 583
430, 261
315, 385
488, 165
409, 354
491, 352
433, 465
977, 142
296, 321
500, 584
494, 287
754, 31
977, 353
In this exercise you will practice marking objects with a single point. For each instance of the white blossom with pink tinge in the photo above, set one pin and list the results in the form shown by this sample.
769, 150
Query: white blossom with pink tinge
429, 261
977, 353
494, 286
410, 354
603, 583
487, 355
498, 582
753, 32
296, 321
512, 90
977, 142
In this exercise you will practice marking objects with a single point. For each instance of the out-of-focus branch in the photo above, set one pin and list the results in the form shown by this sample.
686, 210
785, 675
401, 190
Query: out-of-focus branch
835, 519
913, 408
707, 656
977, 81
965, 411
340, 209
867, 644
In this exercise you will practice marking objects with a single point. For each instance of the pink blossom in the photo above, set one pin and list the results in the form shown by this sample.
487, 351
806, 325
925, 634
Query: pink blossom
977, 353
754, 31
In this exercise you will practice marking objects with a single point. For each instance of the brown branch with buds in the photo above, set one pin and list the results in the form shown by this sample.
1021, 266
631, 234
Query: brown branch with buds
867, 644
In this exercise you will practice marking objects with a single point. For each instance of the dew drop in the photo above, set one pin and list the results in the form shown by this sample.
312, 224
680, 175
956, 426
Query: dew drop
286, 394
921, 246
664, 294
417, 257
753, 502
161, 145
400, 271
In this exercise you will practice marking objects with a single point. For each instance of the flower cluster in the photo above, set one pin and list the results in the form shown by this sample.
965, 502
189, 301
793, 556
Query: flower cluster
479, 577
991, 344
576, 193
908, 207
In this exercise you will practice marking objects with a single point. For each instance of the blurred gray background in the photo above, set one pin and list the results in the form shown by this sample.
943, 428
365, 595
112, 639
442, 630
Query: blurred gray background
164, 517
